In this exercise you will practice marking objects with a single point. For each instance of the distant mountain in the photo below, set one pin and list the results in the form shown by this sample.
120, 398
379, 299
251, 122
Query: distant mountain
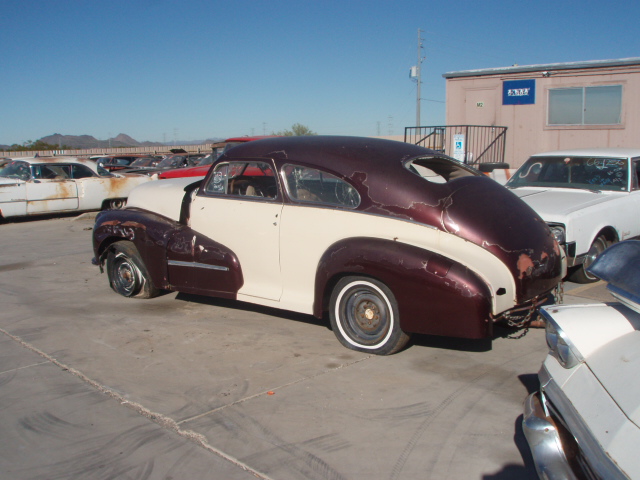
122, 140
87, 141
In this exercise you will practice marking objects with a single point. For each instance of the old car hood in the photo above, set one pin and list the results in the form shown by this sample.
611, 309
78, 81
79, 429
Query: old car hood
186, 172
561, 201
617, 364
617, 367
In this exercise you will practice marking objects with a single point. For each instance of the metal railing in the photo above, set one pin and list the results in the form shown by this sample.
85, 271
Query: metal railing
470, 144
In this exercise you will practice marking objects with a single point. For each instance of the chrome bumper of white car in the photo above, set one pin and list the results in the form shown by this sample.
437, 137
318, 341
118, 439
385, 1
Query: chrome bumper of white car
544, 441
562, 445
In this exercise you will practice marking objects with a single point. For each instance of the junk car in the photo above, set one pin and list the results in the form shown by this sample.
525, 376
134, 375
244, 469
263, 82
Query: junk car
584, 421
385, 237
590, 199
42, 185
114, 163
201, 169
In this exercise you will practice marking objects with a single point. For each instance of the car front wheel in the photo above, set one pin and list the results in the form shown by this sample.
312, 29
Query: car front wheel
117, 203
579, 273
364, 316
126, 271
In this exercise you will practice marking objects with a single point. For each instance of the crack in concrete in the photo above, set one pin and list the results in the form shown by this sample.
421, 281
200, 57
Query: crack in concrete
266, 392
26, 366
157, 418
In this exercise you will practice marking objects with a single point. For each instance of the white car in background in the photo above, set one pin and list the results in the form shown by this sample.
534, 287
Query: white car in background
590, 199
42, 185
584, 422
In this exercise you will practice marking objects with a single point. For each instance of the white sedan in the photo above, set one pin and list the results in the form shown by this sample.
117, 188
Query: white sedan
584, 421
42, 185
590, 199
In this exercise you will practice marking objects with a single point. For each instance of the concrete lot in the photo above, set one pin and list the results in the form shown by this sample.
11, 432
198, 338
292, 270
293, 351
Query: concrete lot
93, 385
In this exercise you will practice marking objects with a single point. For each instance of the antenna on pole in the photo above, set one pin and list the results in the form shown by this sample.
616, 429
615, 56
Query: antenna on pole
416, 74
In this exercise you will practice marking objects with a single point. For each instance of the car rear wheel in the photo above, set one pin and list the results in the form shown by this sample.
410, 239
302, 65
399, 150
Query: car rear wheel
364, 316
126, 271
579, 273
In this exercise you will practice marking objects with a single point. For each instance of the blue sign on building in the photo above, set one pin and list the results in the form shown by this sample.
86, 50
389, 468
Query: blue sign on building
519, 92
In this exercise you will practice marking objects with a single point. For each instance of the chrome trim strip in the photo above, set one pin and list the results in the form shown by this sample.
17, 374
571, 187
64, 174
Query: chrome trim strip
177, 263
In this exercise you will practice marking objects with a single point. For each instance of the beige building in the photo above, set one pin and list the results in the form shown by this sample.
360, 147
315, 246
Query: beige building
551, 107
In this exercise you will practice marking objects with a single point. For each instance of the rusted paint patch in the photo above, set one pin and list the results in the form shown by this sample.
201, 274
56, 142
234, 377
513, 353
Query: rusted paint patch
525, 265
118, 230
129, 223
65, 189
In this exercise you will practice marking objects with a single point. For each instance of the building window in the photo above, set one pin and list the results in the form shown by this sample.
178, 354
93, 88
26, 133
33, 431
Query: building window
586, 105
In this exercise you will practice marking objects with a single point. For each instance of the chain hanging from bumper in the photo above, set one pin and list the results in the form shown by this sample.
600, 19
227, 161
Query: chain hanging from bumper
519, 321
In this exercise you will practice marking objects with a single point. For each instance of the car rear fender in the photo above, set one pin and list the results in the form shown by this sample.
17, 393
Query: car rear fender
435, 294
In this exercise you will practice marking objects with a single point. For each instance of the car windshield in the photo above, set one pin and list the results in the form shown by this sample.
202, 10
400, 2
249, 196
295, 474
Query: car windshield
587, 173
16, 169
172, 161
144, 162
193, 160
206, 160
231, 145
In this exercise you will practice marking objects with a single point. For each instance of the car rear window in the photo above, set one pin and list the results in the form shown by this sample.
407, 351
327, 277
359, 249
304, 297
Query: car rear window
439, 169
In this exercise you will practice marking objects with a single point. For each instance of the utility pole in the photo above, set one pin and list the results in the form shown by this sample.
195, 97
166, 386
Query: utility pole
416, 74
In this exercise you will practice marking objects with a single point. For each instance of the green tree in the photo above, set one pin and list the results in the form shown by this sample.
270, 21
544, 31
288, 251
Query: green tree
297, 130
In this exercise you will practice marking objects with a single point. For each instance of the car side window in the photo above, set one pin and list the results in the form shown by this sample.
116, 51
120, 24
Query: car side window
80, 171
309, 185
243, 179
54, 172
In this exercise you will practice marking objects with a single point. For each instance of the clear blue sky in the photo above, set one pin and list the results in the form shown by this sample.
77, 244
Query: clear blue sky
190, 70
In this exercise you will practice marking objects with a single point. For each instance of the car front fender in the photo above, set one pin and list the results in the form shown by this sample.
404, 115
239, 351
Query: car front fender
148, 231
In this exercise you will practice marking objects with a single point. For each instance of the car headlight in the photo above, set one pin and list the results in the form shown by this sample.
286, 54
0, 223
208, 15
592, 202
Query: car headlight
558, 232
559, 344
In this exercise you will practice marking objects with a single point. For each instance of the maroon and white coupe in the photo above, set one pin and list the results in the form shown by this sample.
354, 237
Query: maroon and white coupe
385, 237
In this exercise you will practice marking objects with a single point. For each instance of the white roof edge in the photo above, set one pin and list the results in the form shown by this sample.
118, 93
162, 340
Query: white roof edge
58, 159
548, 66
593, 152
